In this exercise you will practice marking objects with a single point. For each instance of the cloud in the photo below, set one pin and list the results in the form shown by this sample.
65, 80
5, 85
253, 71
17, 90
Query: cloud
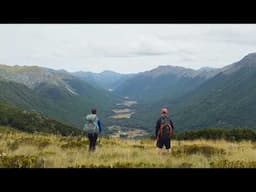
125, 47
242, 34
142, 46
151, 46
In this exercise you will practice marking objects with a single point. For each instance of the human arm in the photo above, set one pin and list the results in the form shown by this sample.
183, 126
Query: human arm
99, 125
157, 127
171, 123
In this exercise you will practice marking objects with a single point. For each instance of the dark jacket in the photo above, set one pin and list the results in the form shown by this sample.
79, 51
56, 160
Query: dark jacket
158, 124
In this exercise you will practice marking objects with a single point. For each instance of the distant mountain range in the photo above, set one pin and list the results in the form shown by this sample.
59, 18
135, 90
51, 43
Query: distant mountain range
108, 80
207, 69
203, 98
227, 99
163, 82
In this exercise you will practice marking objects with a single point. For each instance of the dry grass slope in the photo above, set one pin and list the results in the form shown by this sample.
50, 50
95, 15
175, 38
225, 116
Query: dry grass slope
19, 150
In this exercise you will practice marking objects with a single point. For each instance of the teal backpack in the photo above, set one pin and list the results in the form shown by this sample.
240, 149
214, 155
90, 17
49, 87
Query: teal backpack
91, 125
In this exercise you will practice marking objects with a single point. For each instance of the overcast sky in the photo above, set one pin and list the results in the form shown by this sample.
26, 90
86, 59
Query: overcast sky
125, 48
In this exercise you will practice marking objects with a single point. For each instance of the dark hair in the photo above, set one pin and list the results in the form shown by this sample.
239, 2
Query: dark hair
93, 111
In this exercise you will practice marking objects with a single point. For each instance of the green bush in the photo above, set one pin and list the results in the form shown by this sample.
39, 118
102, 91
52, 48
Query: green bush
33, 122
21, 162
233, 164
216, 134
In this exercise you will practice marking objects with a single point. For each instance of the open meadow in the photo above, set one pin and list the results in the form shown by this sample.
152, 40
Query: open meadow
24, 150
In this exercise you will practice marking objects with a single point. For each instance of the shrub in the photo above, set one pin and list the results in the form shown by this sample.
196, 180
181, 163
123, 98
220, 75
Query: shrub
13, 145
21, 162
185, 165
233, 164
39, 142
138, 146
75, 144
218, 133
195, 149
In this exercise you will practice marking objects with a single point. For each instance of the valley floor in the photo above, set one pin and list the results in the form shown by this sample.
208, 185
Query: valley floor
18, 149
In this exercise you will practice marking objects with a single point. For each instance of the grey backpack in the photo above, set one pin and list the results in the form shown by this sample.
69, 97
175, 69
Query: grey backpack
91, 125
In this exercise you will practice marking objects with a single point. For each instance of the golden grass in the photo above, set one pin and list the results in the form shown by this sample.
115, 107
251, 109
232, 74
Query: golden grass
54, 151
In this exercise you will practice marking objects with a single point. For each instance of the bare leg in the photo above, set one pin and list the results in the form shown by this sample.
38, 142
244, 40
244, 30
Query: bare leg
159, 151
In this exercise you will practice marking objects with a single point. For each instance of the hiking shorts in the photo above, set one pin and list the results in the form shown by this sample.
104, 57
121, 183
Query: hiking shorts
164, 141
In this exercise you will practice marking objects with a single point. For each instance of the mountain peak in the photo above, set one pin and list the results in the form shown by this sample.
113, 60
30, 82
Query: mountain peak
108, 72
206, 69
169, 69
31, 76
251, 55
248, 61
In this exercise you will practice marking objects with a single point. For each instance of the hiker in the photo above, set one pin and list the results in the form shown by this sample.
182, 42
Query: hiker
164, 131
93, 129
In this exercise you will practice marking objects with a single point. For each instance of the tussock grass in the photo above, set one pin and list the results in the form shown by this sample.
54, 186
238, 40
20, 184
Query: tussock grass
18, 150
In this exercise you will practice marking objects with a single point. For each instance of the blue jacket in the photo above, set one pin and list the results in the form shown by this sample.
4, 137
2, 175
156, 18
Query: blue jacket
99, 124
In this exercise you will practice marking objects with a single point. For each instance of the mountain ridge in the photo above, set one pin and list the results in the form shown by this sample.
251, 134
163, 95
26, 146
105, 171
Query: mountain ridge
226, 100
54, 92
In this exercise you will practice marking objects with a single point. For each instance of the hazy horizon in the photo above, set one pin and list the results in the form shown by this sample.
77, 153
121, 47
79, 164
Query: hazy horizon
124, 48
101, 71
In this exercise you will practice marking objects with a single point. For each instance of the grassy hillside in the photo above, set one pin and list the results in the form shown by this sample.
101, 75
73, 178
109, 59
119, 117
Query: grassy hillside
56, 102
55, 93
72, 107
20, 95
227, 101
162, 82
33, 122
19, 149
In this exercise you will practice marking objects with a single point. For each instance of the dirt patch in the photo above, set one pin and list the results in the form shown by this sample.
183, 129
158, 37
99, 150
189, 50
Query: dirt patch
126, 110
123, 115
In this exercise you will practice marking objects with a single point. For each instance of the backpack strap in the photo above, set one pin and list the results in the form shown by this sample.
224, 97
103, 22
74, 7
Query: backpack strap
170, 127
162, 126
161, 129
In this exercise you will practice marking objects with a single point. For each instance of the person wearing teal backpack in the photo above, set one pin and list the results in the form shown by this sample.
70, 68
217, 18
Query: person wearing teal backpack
93, 128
